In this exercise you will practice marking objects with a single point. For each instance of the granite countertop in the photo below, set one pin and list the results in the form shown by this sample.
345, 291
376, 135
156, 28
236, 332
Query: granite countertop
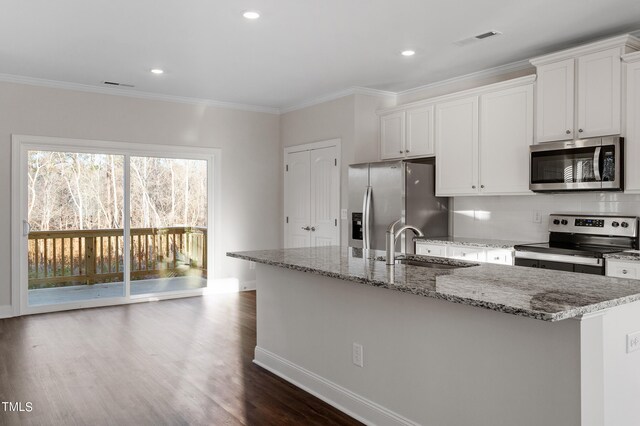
535, 293
471, 242
631, 256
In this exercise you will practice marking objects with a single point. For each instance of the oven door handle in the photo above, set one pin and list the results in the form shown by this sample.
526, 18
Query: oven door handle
596, 163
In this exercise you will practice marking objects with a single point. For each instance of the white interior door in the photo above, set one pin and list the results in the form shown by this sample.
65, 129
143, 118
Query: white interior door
297, 200
324, 191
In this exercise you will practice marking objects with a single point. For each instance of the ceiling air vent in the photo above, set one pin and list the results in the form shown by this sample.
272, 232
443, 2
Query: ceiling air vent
477, 38
113, 83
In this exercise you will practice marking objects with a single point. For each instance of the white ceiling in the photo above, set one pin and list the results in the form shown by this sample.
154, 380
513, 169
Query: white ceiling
298, 50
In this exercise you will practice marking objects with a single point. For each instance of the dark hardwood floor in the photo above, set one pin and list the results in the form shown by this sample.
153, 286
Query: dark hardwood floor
176, 362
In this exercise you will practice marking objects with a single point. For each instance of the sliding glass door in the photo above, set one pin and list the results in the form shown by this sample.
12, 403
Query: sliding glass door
112, 225
168, 224
75, 218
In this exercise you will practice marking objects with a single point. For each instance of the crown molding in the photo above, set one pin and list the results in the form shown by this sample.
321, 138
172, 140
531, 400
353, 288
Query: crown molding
32, 81
356, 90
626, 40
490, 72
476, 91
631, 57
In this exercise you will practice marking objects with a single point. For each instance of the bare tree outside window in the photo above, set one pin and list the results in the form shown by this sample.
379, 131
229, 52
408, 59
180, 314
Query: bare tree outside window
76, 212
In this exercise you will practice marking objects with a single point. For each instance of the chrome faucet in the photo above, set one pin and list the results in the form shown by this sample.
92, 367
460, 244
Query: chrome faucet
392, 236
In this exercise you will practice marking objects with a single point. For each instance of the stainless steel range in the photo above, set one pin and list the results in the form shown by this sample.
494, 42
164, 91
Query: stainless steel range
578, 243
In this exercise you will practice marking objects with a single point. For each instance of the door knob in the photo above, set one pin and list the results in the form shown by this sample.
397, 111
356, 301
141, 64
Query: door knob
313, 228
306, 228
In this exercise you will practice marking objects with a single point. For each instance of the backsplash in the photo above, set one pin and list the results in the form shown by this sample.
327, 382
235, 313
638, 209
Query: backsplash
512, 217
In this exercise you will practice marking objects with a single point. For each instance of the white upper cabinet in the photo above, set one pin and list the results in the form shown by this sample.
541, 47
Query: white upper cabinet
632, 136
599, 94
392, 135
555, 101
506, 132
457, 147
579, 90
419, 133
407, 133
482, 142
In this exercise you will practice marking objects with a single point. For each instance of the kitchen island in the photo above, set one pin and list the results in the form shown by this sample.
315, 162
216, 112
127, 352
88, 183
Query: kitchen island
478, 344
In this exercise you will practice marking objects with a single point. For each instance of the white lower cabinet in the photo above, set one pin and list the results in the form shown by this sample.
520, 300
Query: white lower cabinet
500, 256
622, 269
472, 254
466, 253
437, 250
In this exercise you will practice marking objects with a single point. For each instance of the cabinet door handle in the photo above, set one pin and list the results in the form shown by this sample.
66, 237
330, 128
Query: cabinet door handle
624, 271
496, 258
428, 251
407, 151
580, 130
473, 187
481, 186
568, 132
401, 152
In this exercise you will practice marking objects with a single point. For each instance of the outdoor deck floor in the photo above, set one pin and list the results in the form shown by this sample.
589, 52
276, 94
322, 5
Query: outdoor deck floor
49, 296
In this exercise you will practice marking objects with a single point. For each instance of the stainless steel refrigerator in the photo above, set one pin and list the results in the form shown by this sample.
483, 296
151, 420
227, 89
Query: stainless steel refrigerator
381, 193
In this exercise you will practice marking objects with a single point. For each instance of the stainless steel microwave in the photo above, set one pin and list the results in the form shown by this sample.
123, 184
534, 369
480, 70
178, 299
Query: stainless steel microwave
582, 165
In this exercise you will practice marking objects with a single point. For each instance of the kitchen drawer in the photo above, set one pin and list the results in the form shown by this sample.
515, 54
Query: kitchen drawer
466, 253
501, 257
438, 250
622, 269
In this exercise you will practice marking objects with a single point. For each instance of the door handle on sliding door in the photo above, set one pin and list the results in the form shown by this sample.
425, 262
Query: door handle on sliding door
26, 228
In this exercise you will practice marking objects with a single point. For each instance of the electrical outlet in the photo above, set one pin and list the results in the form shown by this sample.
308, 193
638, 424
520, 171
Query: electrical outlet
343, 214
252, 265
537, 216
357, 355
633, 342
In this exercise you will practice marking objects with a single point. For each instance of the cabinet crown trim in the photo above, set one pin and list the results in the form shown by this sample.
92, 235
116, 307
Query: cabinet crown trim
515, 82
626, 40
631, 57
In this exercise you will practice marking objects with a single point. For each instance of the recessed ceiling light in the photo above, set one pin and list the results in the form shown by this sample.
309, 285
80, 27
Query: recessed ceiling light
251, 14
408, 52
157, 71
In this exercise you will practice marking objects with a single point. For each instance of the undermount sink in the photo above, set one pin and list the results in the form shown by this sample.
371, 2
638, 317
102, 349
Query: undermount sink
425, 264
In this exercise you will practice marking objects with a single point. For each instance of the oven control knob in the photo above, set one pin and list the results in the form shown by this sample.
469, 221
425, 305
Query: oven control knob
564, 221
615, 224
624, 224
556, 221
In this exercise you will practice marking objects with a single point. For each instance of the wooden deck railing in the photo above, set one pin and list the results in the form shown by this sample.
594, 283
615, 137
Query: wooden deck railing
58, 258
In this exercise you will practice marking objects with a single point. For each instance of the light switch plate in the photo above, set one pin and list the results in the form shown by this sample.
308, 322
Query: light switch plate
537, 216
633, 342
343, 214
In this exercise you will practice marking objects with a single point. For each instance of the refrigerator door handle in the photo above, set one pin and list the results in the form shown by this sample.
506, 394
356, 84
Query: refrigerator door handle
366, 219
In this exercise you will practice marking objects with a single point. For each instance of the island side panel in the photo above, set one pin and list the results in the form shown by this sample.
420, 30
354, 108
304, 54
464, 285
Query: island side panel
426, 360
621, 368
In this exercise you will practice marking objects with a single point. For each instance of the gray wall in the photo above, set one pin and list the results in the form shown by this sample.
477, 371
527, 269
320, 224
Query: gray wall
350, 118
250, 144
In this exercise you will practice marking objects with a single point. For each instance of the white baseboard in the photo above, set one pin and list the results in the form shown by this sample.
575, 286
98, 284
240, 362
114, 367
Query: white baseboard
6, 311
248, 285
358, 407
